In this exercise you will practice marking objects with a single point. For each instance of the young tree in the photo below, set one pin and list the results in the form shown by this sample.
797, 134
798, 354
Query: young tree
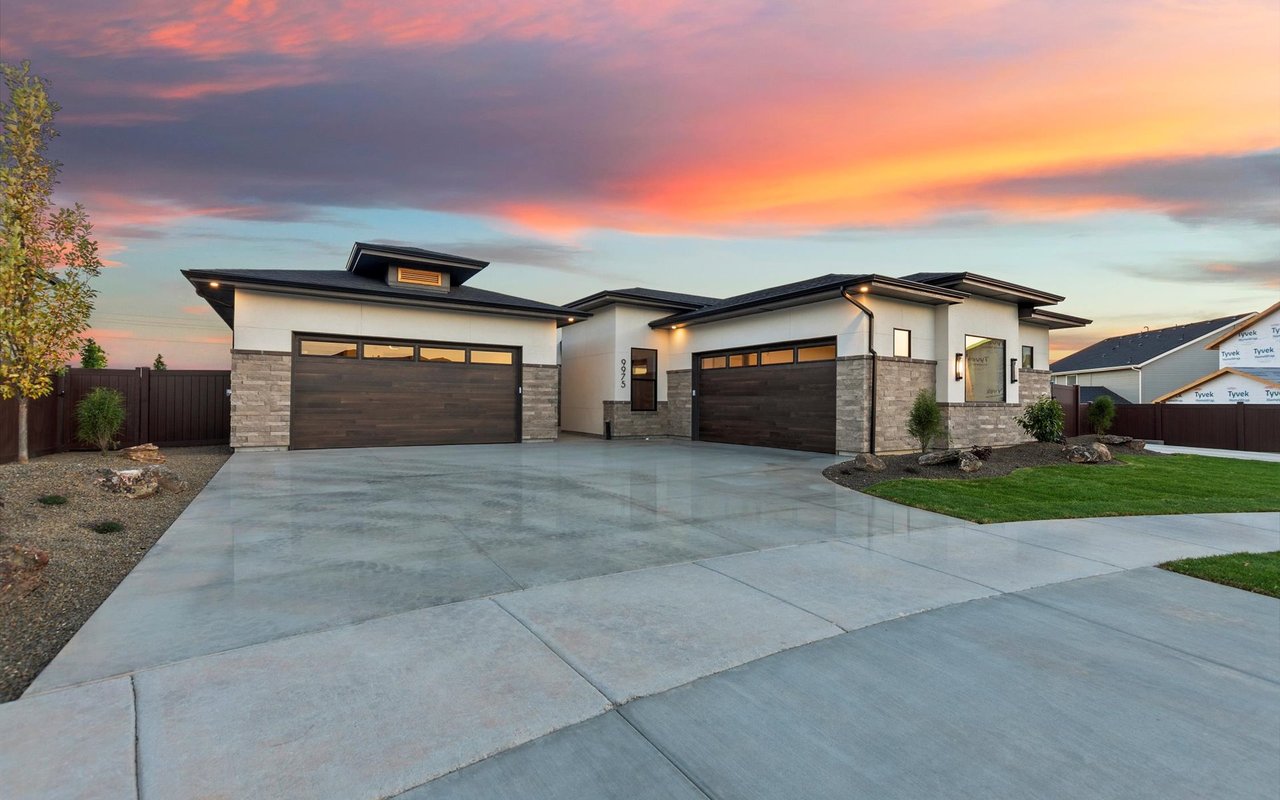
47, 254
924, 423
159, 363
1102, 413
92, 356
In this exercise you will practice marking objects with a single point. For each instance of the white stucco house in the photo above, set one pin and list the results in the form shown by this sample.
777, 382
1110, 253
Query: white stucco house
1248, 368
829, 364
1139, 367
393, 349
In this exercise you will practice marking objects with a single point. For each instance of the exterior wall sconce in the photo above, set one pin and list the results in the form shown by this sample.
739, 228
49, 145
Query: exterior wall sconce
1013, 370
959, 366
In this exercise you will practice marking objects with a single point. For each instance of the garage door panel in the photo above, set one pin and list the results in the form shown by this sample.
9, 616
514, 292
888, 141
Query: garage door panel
369, 403
790, 406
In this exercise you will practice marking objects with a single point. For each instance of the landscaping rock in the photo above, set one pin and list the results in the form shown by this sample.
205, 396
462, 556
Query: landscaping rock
1137, 445
146, 453
939, 457
21, 569
1102, 451
139, 483
982, 452
1080, 454
1111, 438
970, 462
867, 462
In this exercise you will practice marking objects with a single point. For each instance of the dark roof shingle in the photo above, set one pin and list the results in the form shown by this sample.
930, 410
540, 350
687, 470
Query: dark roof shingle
1138, 348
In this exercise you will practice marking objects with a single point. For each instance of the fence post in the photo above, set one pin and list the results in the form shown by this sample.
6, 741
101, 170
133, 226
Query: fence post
60, 410
144, 405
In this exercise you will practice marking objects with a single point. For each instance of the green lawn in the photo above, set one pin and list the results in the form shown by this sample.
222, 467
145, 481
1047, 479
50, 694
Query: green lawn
1178, 484
1254, 572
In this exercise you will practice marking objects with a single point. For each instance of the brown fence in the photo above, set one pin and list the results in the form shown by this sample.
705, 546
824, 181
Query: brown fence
168, 407
1226, 427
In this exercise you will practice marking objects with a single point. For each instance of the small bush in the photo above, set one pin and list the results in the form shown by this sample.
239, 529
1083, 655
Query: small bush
109, 526
53, 500
1044, 420
99, 417
1102, 413
924, 423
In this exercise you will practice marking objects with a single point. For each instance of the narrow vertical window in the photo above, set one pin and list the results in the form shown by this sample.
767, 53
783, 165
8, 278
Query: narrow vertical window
644, 379
1028, 357
901, 343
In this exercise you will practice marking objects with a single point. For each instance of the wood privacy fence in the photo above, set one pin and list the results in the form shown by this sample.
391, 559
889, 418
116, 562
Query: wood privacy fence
175, 408
1239, 426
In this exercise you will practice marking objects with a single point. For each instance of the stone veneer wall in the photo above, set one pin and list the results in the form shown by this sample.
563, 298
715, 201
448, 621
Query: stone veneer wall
898, 381
853, 387
627, 424
993, 423
260, 384
680, 403
540, 402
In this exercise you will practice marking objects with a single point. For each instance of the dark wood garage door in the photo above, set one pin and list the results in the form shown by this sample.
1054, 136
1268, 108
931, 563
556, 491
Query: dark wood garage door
365, 393
781, 395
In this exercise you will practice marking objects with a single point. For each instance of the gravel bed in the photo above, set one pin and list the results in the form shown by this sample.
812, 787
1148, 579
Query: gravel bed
84, 566
1003, 461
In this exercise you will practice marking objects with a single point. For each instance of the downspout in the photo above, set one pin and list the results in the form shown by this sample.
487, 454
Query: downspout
1139, 371
871, 348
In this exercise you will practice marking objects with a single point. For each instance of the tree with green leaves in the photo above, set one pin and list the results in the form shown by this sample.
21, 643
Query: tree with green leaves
924, 422
47, 253
92, 356
1102, 413
159, 363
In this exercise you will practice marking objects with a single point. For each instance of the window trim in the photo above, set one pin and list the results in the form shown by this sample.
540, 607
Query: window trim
1028, 351
896, 331
652, 378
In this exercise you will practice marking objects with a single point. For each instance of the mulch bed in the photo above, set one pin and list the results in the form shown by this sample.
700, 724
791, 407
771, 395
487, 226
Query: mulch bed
1003, 461
84, 566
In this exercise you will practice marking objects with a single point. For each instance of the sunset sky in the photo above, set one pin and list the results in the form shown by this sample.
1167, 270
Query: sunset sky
1124, 154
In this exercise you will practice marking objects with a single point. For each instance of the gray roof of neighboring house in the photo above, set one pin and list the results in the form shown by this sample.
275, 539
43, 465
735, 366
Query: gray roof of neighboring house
1090, 393
1266, 373
1138, 348
344, 282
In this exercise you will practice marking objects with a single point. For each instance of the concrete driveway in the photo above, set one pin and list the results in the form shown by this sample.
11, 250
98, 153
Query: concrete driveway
602, 619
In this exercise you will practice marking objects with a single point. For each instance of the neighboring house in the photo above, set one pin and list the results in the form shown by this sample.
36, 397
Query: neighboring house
1140, 367
1248, 357
394, 349
792, 366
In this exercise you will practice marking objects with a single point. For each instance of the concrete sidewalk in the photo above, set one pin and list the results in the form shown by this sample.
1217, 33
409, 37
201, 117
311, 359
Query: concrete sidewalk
1247, 455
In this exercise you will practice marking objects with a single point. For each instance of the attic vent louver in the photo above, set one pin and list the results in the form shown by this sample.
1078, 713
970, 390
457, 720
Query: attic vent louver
419, 277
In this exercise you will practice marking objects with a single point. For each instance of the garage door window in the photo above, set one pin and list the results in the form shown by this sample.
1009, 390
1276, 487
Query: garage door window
770, 357
825, 352
744, 360
442, 355
713, 362
308, 347
490, 357
392, 352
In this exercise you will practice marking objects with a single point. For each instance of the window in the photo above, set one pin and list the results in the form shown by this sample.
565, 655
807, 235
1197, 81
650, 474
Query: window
1071, 380
984, 380
442, 355
308, 347
777, 357
744, 359
1028, 357
713, 362
901, 343
392, 352
644, 379
822, 352
491, 357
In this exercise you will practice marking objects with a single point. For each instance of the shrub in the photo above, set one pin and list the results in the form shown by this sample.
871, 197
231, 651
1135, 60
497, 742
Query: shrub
924, 423
99, 417
1102, 412
109, 526
1044, 420
53, 500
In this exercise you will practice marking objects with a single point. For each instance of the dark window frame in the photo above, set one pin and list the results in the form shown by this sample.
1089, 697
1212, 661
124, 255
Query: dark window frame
1028, 357
651, 355
907, 331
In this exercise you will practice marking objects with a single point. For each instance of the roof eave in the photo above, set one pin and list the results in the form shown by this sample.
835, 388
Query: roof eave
1051, 319
601, 299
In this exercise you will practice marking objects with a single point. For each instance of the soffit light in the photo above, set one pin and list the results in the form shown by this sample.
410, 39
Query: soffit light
213, 284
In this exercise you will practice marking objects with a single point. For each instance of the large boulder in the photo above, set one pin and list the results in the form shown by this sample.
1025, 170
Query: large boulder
1136, 445
146, 453
1111, 438
1079, 454
981, 451
139, 483
939, 457
970, 462
868, 462
1101, 450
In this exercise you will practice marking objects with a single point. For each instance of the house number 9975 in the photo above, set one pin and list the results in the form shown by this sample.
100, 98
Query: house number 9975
622, 375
